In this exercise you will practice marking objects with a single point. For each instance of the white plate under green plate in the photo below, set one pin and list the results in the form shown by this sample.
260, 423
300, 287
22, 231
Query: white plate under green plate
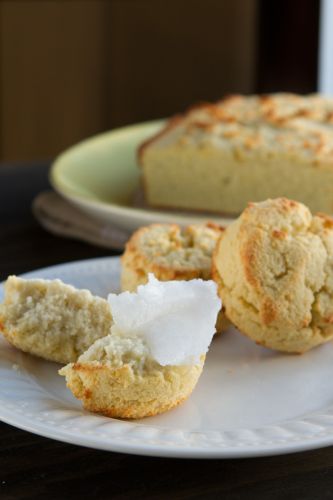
101, 176
249, 401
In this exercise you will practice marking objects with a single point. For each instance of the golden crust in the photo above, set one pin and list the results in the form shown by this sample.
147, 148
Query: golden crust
123, 393
281, 122
274, 275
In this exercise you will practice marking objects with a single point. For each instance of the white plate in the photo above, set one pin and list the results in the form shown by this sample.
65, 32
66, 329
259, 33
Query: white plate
101, 177
249, 401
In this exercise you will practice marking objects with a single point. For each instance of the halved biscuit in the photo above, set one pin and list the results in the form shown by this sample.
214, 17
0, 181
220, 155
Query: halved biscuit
118, 378
52, 320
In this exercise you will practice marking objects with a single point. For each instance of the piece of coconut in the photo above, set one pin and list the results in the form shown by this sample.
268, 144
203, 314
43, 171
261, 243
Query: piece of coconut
176, 318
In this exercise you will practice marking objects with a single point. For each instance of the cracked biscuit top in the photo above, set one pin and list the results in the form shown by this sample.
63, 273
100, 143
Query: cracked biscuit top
169, 252
274, 269
267, 125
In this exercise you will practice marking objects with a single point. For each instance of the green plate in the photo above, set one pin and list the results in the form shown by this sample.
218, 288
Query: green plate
101, 177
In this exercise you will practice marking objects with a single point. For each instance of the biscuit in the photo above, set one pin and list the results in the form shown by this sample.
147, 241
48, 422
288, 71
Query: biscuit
52, 320
170, 253
118, 378
274, 271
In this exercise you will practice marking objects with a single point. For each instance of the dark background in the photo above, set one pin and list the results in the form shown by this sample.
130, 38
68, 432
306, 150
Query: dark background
72, 68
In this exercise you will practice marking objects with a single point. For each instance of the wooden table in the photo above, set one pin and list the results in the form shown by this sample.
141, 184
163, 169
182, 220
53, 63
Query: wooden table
39, 468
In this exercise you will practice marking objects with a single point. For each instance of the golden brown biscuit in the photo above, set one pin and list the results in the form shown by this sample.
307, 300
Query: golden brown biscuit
118, 378
274, 270
170, 253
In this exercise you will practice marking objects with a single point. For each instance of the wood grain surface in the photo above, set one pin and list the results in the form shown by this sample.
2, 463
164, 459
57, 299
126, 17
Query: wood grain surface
32, 467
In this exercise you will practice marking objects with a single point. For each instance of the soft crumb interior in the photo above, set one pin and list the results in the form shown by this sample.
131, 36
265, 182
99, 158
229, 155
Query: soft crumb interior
192, 247
54, 320
118, 351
